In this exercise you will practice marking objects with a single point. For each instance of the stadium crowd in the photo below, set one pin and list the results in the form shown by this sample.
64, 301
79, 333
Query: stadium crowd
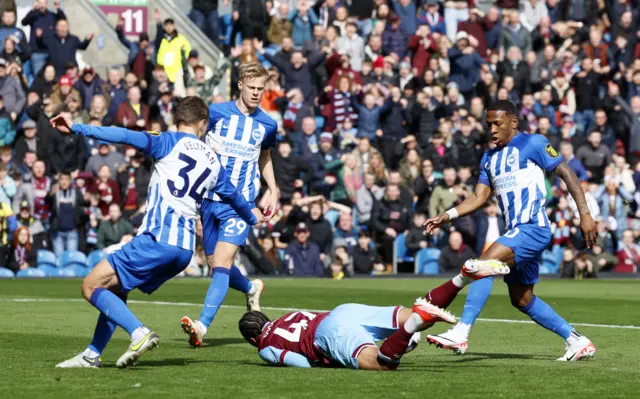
380, 105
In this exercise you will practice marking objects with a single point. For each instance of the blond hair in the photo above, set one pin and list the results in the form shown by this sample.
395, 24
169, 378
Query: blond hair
252, 70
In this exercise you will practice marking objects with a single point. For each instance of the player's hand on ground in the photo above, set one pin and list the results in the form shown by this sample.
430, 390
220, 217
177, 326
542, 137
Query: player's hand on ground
259, 216
588, 227
434, 223
62, 122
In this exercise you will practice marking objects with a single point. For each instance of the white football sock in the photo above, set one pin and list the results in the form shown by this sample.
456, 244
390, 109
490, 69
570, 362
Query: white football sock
412, 323
90, 353
202, 327
253, 289
462, 329
461, 281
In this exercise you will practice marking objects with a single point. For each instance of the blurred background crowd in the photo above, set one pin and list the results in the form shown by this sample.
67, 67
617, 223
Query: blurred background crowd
380, 106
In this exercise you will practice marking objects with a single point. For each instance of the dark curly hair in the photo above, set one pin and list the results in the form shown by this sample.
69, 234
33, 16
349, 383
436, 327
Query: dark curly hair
251, 325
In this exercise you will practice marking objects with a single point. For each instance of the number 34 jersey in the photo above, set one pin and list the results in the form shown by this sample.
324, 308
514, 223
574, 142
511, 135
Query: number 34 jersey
294, 332
184, 170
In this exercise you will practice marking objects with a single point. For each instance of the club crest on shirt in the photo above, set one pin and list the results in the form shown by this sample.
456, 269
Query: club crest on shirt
512, 159
551, 151
153, 132
256, 134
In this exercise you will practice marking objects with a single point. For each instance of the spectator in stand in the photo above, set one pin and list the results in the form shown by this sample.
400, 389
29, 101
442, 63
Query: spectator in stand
465, 63
443, 196
339, 104
134, 179
601, 260
303, 256
566, 150
288, 170
352, 45
62, 93
16, 36
628, 255
89, 86
41, 187
489, 227
45, 82
395, 41
544, 68
389, 218
251, 19
348, 179
61, 45
319, 229
11, 92
105, 157
515, 34
439, 154
533, 12
394, 122
106, 188
586, 83
67, 214
416, 235
365, 258
7, 131
204, 13
112, 230
366, 196
67, 152
99, 110
423, 186
117, 91
594, 156
455, 254
430, 16
139, 52
39, 19
303, 18
22, 255
345, 229
515, 67
455, 12
30, 141
612, 200
7, 186
308, 141
280, 26
474, 27
323, 179
298, 72
170, 46
133, 114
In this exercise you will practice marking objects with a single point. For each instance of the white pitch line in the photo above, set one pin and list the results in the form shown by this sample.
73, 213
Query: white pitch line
190, 304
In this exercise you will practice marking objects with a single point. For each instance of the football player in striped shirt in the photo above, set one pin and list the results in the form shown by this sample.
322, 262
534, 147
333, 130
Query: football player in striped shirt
514, 171
242, 135
185, 170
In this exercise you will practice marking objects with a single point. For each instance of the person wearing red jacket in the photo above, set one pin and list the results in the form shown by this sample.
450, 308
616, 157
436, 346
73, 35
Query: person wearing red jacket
629, 254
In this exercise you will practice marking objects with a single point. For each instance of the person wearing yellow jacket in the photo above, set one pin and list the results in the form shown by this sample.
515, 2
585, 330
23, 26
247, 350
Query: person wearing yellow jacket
170, 44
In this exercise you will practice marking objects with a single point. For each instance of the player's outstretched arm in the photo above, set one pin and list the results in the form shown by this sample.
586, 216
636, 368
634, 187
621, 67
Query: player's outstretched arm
116, 135
471, 204
230, 195
281, 357
587, 225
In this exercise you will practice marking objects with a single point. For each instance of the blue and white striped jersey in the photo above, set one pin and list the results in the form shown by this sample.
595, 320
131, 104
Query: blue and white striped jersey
238, 140
515, 172
185, 169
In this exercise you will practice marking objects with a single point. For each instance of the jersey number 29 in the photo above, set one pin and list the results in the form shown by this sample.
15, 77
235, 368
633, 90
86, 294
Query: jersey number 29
196, 191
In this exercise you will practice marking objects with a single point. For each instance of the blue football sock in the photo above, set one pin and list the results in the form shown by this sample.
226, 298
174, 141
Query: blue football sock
115, 309
477, 296
215, 295
238, 281
103, 332
544, 315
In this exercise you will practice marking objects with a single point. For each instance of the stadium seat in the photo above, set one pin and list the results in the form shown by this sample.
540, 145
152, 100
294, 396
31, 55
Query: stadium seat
95, 257
548, 263
319, 122
75, 270
48, 270
69, 258
427, 261
400, 252
6, 273
47, 258
30, 272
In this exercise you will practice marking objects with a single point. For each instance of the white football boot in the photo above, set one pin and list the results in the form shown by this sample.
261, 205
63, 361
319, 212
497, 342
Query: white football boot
81, 360
253, 300
138, 347
456, 339
476, 269
578, 348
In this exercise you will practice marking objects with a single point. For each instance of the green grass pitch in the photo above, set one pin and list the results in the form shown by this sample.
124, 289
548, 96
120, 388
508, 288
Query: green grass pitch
504, 359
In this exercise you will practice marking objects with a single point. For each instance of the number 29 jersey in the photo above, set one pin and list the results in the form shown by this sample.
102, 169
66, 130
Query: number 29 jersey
185, 168
294, 332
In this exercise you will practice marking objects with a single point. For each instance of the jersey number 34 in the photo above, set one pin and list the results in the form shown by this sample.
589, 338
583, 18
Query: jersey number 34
196, 191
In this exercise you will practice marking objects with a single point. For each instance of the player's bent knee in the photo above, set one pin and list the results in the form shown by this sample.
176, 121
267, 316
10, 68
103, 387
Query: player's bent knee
368, 360
102, 276
223, 255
